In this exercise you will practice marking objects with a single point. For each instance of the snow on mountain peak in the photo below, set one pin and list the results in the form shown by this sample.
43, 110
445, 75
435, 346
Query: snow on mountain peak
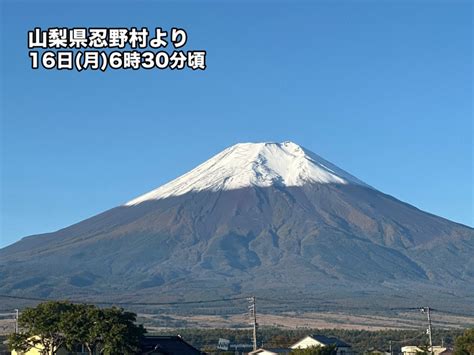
254, 164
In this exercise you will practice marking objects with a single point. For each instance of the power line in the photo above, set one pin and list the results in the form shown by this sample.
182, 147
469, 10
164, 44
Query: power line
175, 303
451, 313
407, 340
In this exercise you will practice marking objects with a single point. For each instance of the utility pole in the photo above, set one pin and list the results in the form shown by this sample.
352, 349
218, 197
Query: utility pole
253, 317
390, 346
429, 330
16, 319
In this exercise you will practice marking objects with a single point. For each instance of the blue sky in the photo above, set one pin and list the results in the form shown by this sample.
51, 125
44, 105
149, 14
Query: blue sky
382, 89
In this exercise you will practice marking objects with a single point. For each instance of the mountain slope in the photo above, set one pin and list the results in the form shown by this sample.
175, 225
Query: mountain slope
254, 218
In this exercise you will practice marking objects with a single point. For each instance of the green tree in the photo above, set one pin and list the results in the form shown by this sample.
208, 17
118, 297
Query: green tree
316, 350
52, 325
82, 326
41, 328
464, 344
119, 332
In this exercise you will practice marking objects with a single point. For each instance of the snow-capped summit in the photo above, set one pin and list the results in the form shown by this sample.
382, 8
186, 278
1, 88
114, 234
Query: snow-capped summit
254, 164
331, 236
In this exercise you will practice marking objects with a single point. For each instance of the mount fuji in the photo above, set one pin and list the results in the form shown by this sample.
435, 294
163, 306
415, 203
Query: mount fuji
257, 218
254, 164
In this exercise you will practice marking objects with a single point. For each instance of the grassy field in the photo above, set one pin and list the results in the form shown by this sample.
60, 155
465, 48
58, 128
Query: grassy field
293, 320
156, 322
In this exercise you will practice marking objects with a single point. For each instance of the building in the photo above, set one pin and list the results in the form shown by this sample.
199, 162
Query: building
167, 345
309, 341
374, 351
271, 351
153, 345
414, 350
38, 350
